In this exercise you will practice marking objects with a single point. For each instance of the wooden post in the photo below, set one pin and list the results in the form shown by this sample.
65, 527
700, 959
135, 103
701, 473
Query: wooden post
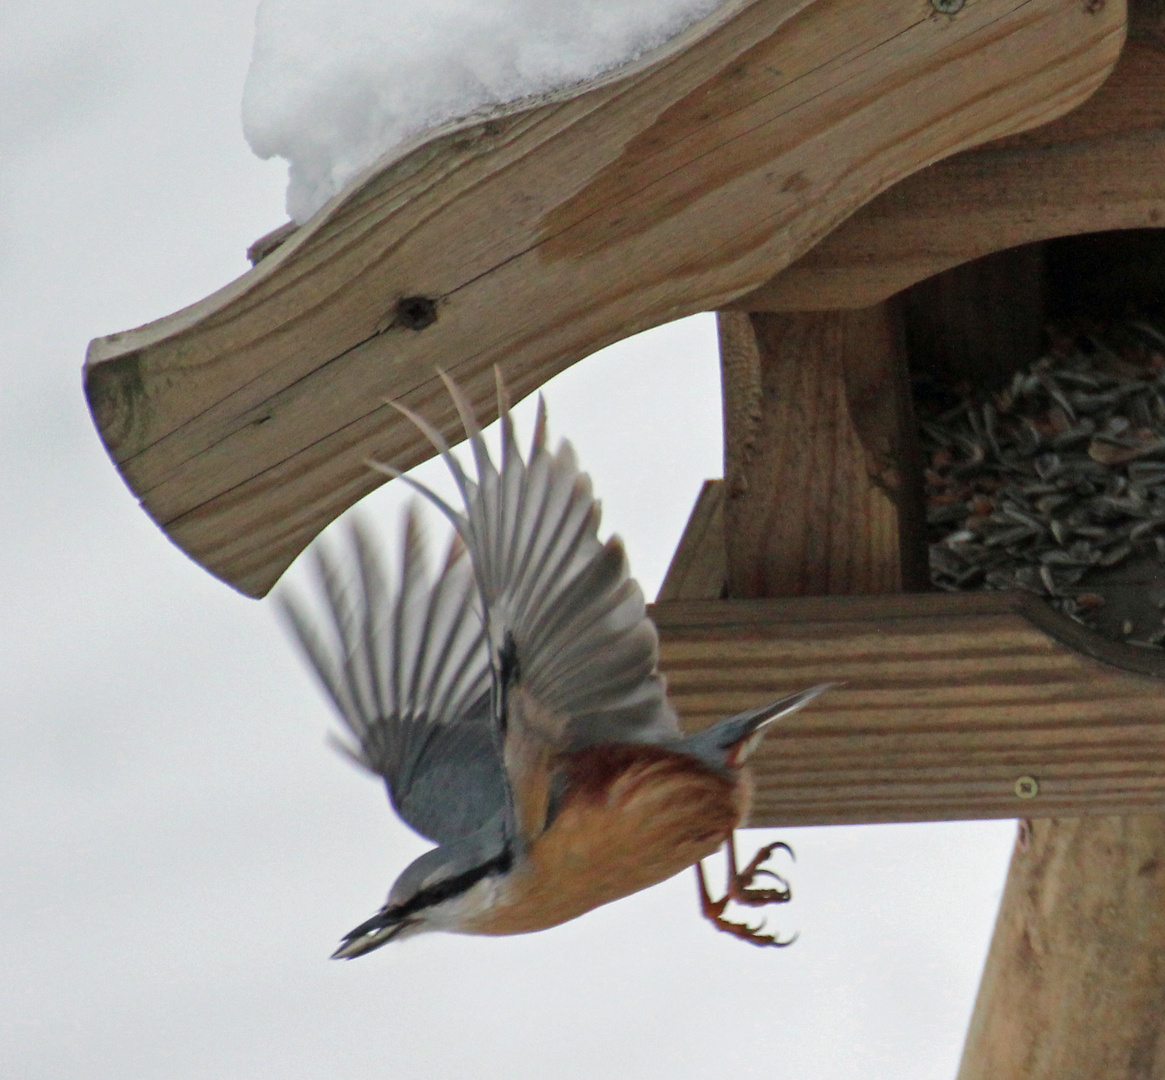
819, 461
1074, 987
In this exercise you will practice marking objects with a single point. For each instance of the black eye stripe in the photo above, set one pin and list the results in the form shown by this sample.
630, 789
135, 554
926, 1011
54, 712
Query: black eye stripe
454, 886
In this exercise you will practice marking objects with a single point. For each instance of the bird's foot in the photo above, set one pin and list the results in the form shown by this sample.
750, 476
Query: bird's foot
751, 934
713, 910
740, 881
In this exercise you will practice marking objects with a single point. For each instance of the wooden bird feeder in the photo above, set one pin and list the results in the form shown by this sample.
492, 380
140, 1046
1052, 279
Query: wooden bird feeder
800, 166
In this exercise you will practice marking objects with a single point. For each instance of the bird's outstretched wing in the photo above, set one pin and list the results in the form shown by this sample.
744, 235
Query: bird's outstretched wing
563, 616
409, 673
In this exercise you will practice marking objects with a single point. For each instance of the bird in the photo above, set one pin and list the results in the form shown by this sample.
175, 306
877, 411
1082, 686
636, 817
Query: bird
511, 700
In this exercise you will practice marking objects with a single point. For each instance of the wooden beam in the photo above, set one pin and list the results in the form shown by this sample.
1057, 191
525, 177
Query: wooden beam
1098, 168
1074, 987
950, 705
699, 568
823, 493
530, 239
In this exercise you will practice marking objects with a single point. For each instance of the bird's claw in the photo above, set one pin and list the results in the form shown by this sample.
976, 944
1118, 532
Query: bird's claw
751, 934
740, 890
740, 882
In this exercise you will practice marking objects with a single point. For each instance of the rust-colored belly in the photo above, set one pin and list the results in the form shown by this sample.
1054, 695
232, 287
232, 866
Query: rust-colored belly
632, 816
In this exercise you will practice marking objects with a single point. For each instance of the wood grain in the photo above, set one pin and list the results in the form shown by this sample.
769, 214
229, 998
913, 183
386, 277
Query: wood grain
698, 568
821, 497
947, 701
1074, 987
243, 422
1100, 167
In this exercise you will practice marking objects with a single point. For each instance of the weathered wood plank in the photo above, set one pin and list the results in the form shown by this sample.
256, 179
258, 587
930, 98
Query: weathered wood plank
1074, 987
947, 701
697, 570
1098, 168
243, 422
823, 495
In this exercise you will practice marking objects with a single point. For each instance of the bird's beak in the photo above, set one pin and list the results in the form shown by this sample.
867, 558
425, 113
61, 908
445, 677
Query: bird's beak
377, 931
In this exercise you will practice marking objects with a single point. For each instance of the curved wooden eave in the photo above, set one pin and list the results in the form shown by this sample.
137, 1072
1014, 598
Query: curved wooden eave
1100, 168
244, 422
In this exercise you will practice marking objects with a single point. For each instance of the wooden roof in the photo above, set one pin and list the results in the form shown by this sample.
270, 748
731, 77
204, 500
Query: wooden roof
533, 237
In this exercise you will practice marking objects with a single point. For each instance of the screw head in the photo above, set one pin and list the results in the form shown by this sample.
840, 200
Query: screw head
1027, 787
947, 7
416, 312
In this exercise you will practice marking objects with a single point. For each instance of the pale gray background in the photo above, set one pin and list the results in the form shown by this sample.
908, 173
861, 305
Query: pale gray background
179, 852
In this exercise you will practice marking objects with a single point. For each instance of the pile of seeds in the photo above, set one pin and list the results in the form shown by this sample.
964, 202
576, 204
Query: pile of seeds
1058, 476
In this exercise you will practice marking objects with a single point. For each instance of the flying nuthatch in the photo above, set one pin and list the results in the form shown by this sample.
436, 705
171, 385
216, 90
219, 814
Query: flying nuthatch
514, 708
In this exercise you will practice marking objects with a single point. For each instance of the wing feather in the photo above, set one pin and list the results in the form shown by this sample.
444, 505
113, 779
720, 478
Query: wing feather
408, 670
577, 621
416, 671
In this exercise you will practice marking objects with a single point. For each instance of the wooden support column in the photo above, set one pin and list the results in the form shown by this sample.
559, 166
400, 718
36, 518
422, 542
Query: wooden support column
820, 468
1074, 987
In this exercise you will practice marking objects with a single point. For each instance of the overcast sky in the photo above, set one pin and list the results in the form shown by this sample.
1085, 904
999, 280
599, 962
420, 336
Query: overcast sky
179, 851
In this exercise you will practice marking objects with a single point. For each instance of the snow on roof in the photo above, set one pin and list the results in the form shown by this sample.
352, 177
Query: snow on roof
334, 84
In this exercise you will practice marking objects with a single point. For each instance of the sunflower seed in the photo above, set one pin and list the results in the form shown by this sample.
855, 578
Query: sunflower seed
1079, 435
